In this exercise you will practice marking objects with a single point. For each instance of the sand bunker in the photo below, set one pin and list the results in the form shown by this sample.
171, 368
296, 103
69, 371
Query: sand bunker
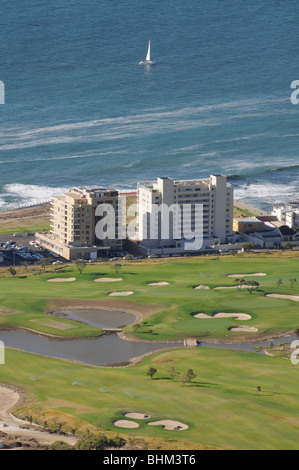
295, 298
108, 279
124, 423
62, 279
236, 316
121, 294
245, 275
137, 416
201, 287
250, 329
245, 286
163, 283
169, 424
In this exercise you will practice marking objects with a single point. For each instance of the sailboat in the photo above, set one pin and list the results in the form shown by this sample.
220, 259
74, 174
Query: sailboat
148, 60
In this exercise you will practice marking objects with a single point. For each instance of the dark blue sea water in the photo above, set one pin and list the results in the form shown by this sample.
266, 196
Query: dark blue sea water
79, 109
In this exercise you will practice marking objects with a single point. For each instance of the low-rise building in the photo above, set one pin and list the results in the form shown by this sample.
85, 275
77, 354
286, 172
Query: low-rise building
287, 214
248, 225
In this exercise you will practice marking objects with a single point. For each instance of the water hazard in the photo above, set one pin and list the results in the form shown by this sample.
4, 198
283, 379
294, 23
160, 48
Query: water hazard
107, 350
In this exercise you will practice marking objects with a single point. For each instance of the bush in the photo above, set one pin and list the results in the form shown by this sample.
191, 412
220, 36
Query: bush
99, 442
60, 445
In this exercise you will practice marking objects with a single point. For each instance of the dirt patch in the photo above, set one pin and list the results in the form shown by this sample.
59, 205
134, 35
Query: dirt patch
23, 432
141, 310
42, 209
8, 311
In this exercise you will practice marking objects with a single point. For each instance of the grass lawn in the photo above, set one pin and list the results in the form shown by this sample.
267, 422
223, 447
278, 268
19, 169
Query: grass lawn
22, 225
167, 310
221, 406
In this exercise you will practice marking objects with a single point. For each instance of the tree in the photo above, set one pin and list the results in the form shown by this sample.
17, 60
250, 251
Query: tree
80, 265
44, 262
25, 264
117, 268
279, 282
292, 281
190, 375
184, 378
252, 285
151, 372
12, 271
288, 245
240, 282
173, 373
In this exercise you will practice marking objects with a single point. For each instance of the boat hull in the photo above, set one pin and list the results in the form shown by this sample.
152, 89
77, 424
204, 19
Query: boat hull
147, 62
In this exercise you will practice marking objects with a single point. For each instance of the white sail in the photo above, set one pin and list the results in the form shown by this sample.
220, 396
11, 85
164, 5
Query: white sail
148, 60
148, 57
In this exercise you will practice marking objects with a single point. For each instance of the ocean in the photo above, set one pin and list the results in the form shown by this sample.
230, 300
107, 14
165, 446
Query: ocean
80, 110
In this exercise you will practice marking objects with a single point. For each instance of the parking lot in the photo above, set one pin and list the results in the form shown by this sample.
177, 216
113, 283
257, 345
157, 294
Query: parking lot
16, 249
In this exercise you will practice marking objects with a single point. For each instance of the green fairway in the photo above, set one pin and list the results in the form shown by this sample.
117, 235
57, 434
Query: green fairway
221, 406
172, 306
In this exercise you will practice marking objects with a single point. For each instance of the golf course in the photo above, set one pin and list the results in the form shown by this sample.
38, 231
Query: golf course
234, 400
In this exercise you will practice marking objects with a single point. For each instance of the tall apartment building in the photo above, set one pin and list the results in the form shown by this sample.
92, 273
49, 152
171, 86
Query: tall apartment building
74, 220
215, 196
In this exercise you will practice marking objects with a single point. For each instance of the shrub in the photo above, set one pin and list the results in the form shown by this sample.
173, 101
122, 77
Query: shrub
99, 442
60, 445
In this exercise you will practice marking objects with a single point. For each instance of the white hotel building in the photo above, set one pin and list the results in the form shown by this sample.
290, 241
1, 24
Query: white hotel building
214, 196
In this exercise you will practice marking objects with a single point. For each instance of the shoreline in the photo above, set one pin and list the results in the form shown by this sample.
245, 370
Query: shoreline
43, 207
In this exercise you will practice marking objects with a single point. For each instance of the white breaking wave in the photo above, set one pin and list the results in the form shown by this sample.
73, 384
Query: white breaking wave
268, 192
19, 195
